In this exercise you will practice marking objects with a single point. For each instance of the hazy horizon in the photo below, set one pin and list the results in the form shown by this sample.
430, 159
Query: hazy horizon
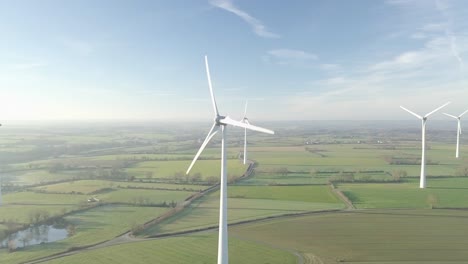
300, 60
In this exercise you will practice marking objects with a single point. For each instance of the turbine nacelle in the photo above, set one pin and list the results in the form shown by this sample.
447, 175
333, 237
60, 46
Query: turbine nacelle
218, 120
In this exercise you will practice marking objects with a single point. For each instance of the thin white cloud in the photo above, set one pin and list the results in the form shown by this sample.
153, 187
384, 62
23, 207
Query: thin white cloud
291, 54
257, 25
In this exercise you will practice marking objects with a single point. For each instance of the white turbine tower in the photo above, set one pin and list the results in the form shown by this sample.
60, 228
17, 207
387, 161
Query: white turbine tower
459, 131
422, 181
221, 122
246, 121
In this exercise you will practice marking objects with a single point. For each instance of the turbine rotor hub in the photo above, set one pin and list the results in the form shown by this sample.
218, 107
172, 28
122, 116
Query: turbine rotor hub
218, 119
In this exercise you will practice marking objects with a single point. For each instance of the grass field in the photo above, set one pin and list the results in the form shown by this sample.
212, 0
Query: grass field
90, 186
92, 226
290, 178
257, 202
441, 192
38, 176
397, 236
196, 249
167, 169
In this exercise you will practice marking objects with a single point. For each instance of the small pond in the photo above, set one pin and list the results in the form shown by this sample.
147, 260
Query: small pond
35, 235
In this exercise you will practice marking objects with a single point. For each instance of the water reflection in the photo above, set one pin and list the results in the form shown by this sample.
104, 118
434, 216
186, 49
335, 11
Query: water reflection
33, 236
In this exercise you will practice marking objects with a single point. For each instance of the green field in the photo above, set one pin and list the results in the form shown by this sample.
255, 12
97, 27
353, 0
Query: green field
282, 211
440, 192
197, 249
167, 169
256, 202
397, 236
90, 186
92, 226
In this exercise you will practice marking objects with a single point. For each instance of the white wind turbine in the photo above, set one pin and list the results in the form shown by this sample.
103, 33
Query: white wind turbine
221, 122
459, 131
422, 181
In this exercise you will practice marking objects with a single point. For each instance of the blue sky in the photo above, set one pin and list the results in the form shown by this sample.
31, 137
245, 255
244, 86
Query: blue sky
293, 60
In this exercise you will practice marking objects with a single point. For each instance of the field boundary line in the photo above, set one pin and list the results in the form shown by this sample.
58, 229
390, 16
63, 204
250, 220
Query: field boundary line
343, 197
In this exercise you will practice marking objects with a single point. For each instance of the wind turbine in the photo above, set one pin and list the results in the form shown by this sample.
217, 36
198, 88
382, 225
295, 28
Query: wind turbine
422, 181
246, 121
221, 123
459, 131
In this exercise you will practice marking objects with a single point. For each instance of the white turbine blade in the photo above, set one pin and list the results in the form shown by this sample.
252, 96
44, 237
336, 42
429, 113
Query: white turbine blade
463, 113
450, 115
213, 100
437, 109
245, 109
459, 127
416, 115
207, 139
228, 121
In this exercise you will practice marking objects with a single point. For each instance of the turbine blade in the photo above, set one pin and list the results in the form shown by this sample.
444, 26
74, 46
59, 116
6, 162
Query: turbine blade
463, 113
207, 139
416, 115
213, 100
228, 121
437, 109
459, 127
450, 115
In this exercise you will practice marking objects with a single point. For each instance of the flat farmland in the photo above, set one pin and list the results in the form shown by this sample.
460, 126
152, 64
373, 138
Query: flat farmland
310, 193
21, 214
253, 203
196, 249
92, 226
272, 178
149, 196
30, 177
394, 236
91, 186
167, 169
440, 192
25, 198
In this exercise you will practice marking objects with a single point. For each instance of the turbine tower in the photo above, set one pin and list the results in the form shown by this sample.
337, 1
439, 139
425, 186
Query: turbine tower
459, 131
422, 181
221, 123
246, 121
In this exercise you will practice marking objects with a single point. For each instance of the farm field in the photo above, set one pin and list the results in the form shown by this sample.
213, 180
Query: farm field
101, 184
197, 249
92, 226
440, 193
249, 203
380, 236
166, 169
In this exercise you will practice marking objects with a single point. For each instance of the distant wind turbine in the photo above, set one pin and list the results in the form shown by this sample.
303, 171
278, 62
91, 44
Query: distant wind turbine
459, 131
221, 122
422, 181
